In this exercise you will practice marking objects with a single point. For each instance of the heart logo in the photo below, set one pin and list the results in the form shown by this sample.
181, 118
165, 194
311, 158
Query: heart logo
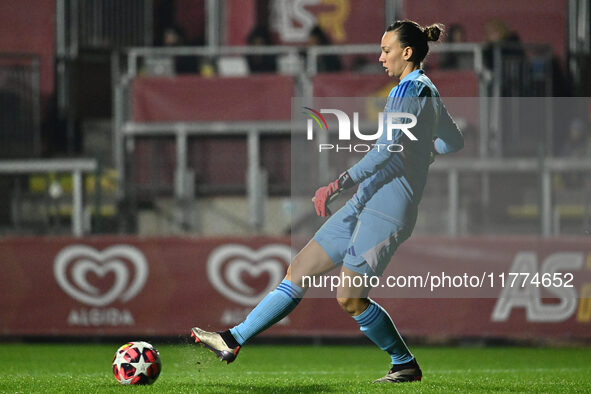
74, 264
227, 265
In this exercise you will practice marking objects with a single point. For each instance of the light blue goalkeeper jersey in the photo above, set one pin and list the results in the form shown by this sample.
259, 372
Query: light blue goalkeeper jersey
391, 183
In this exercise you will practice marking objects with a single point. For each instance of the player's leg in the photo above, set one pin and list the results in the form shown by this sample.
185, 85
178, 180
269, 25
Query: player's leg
318, 256
367, 257
376, 324
312, 260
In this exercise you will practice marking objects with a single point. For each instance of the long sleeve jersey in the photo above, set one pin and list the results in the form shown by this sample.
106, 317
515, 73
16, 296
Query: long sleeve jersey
391, 182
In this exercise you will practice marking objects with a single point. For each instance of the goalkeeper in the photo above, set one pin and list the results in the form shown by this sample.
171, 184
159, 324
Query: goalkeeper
363, 235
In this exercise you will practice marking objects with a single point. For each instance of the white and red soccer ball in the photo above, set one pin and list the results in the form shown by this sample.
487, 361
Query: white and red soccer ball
136, 363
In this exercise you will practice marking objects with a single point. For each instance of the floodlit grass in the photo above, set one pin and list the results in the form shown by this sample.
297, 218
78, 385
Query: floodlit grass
297, 369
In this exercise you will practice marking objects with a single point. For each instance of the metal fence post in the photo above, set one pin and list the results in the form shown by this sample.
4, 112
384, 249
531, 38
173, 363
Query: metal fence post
117, 121
212, 12
454, 202
77, 229
255, 181
180, 189
546, 201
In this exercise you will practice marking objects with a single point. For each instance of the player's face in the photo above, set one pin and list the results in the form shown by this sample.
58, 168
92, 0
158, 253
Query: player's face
394, 58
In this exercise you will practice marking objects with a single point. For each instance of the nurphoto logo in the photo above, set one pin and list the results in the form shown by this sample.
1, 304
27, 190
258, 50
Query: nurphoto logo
402, 121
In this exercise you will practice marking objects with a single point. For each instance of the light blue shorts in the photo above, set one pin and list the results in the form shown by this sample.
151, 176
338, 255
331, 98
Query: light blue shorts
361, 240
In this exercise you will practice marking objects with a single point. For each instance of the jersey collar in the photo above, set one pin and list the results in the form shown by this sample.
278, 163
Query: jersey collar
413, 75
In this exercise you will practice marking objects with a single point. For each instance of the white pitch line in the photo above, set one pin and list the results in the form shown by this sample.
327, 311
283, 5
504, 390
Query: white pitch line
430, 372
506, 370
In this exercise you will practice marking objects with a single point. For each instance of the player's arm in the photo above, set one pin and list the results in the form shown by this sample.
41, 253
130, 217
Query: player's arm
377, 158
449, 137
373, 161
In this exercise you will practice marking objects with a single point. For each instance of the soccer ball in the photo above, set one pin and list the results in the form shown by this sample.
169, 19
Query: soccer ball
136, 363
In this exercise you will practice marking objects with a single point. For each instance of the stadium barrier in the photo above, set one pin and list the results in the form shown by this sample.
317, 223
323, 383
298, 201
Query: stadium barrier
138, 106
117, 286
77, 167
20, 114
100, 24
125, 87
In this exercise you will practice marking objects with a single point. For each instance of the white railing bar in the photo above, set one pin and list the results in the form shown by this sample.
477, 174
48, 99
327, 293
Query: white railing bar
510, 165
208, 51
353, 49
159, 128
479, 165
216, 127
49, 165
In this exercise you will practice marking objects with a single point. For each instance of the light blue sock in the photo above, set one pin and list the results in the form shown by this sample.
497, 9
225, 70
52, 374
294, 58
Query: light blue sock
274, 307
376, 325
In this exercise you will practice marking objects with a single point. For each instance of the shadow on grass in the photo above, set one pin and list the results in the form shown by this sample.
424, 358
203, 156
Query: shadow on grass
257, 388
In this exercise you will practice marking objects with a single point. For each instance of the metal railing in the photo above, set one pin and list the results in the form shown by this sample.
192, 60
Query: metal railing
453, 167
20, 131
543, 168
77, 167
182, 130
518, 70
122, 77
125, 130
94, 28
103, 24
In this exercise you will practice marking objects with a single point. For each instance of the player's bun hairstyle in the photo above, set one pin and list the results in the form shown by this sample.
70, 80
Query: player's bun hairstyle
411, 34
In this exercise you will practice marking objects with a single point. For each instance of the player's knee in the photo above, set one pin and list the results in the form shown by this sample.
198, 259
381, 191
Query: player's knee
295, 279
295, 275
352, 306
344, 302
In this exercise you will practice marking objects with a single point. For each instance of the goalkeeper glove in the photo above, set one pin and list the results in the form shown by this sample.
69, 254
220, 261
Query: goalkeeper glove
327, 194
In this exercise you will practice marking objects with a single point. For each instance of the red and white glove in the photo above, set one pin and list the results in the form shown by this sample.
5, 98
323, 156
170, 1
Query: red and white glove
326, 194
323, 196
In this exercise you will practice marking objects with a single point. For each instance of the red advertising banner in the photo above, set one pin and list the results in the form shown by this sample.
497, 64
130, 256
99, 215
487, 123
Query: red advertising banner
164, 286
194, 98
